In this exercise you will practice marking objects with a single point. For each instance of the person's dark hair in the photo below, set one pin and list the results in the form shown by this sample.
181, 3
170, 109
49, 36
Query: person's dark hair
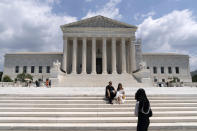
140, 96
119, 87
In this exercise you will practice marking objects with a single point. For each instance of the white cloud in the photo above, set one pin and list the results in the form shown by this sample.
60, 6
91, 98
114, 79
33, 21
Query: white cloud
109, 10
30, 26
88, 0
142, 16
174, 32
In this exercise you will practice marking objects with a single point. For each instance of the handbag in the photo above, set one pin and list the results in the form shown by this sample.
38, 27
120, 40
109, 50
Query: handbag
123, 97
149, 112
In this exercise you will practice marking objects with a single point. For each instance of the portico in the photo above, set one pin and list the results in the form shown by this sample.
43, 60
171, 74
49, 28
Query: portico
97, 55
98, 45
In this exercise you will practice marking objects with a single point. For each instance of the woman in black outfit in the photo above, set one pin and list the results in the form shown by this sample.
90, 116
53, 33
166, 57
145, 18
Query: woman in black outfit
142, 110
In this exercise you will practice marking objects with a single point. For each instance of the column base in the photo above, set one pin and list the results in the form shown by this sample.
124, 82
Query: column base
114, 73
73, 73
104, 73
124, 72
93, 73
83, 73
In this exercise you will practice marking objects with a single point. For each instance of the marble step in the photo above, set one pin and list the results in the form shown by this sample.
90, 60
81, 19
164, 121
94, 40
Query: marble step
91, 101
95, 114
95, 109
97, 80
54, 105
94, 119
90, 98
97, 126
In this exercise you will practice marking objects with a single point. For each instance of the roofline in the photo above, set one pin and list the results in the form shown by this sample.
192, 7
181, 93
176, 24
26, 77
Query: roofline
165, 54
72, 23
35, 53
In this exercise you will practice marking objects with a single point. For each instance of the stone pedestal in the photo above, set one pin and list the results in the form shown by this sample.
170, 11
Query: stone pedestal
143, 76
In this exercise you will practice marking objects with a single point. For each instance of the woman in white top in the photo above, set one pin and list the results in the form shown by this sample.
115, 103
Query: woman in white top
120, 95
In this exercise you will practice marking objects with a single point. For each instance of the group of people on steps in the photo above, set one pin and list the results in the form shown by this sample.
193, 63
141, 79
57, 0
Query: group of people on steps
142, 109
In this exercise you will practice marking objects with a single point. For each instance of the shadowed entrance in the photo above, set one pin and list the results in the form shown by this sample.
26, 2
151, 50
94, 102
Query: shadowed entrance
99, 65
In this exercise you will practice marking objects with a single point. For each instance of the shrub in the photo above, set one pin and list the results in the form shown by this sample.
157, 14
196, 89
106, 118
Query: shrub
194, 78
174, 79
6, 78
23, 76
1, 74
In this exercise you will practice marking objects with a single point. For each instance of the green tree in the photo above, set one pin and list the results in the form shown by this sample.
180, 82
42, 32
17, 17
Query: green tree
23, 77
1, 74
6, 78
194, 78
174, 79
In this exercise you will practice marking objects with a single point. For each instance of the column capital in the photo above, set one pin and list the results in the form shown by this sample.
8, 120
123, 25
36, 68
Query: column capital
74, 38
93, 38
104, 38
84, 38
114, 38
65, 37
123, 39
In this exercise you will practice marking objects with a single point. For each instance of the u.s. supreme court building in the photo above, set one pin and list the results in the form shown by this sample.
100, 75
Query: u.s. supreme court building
97, 50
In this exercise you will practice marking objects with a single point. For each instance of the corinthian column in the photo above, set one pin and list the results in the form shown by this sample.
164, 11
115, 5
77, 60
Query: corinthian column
93, 56
123, 55
84, 56
133, 59
114, 56
74, 61
104, 56
64, 61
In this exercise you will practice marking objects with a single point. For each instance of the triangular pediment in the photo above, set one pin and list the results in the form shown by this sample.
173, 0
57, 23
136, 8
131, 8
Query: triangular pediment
99, 21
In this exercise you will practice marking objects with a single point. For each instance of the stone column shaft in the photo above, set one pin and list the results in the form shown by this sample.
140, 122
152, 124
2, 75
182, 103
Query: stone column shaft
104, 57
74, 60
114, 56
84, 56
123, 55
133, 59
93, 55
64, 61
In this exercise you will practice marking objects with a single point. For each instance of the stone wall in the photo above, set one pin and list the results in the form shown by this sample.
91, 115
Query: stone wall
168, 60
30, 59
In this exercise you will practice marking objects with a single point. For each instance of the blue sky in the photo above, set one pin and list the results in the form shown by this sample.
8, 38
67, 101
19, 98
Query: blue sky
163, 25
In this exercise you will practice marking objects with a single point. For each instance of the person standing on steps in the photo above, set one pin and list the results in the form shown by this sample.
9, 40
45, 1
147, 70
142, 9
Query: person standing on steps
49, 83
142, 110
110, 92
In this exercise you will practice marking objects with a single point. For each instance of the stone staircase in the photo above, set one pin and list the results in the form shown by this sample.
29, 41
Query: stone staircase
92, 113
98, 80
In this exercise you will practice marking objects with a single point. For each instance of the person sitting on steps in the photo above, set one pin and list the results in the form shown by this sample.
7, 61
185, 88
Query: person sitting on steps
110, 92
120, 95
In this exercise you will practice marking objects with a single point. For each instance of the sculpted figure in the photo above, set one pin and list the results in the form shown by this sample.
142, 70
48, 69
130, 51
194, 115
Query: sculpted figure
56, 65
142, 65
